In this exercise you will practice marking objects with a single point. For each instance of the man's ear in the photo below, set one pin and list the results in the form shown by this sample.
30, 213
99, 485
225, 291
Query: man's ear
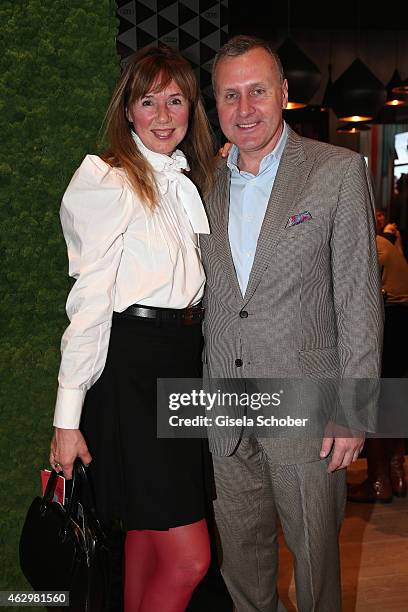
285, 93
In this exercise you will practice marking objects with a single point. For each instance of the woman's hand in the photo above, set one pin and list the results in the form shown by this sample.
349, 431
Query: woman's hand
223, 152
66, 446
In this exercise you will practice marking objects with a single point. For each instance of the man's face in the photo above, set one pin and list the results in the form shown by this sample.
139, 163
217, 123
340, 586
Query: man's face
380, 220
250, 98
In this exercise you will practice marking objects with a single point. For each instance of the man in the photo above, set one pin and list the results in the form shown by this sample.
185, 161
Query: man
292, 291
385, 456
389, 231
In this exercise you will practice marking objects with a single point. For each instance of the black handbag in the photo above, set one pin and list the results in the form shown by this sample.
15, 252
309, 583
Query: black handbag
65, 548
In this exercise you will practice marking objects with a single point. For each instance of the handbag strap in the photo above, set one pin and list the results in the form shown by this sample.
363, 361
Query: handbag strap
81, 492
49, 490
84, 488
49, 494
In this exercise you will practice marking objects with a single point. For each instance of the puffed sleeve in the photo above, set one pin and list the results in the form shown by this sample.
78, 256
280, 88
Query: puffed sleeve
95, 212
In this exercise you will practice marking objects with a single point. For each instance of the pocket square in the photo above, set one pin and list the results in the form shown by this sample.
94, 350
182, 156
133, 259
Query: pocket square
299, 218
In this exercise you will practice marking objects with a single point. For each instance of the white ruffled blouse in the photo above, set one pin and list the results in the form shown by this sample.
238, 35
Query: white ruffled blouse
122, 253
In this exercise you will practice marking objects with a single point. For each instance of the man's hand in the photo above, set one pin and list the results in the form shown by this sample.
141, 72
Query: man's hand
346, 449
66, 446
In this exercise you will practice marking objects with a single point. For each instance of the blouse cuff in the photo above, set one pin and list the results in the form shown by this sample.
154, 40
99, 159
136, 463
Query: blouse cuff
68, 408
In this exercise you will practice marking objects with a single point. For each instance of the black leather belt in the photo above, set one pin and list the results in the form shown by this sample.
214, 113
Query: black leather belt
185, 316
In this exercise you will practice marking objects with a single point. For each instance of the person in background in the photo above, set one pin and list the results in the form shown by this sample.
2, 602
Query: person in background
293, 291
389, 231
131, 220
385, 456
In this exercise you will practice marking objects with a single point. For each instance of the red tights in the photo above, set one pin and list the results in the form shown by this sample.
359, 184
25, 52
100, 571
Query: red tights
162, 568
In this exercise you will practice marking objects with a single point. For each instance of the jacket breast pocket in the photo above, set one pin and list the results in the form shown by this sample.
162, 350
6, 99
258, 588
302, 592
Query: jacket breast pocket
300, 230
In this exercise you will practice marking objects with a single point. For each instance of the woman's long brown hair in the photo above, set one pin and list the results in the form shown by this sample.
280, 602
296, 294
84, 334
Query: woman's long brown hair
157, 67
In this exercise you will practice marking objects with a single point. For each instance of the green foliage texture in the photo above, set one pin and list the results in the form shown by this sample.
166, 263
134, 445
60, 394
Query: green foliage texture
58, 64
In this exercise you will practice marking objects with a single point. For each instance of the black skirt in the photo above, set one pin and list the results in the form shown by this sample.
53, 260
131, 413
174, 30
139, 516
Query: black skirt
141, 480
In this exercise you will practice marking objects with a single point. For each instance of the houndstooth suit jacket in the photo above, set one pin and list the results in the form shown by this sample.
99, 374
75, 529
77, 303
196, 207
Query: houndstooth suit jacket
313, 297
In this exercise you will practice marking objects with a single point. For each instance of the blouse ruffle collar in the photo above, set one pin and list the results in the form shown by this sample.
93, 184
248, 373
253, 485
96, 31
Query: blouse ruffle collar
175, 185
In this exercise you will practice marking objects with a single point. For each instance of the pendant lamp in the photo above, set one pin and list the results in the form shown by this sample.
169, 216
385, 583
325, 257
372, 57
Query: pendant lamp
302, 74
396, 88
352, 128
392, 115
402, 88
357, 94
394, 98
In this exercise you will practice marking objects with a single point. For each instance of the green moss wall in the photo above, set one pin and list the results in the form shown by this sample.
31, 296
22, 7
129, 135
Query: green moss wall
58, 64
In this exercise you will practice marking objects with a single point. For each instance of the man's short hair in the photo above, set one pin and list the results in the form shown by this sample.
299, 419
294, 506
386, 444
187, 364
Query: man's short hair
242, 43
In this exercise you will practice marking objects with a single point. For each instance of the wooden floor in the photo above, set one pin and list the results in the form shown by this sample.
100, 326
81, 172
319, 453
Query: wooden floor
374, 555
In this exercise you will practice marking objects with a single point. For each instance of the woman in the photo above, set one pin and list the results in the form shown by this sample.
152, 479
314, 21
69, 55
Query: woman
131, 220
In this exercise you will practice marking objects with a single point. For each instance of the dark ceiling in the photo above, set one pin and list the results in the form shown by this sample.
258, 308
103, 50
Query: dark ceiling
263, 17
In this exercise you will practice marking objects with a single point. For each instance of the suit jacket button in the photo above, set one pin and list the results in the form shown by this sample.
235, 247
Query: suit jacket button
238, 363
243, 314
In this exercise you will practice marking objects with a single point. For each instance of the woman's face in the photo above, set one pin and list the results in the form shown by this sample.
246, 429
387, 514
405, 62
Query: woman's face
160, 119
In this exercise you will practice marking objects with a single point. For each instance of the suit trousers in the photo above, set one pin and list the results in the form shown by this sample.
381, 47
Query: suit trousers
253, 494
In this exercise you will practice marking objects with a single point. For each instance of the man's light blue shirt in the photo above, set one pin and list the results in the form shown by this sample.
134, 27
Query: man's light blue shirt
249, 196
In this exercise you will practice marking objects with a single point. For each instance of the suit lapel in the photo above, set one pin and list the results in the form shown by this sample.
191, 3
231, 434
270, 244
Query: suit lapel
219, 227
291, 177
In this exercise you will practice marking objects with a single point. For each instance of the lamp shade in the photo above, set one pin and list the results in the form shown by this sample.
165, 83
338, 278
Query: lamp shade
394, 98
302, 74
357, 94
401, 87
392, 115
352, 128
